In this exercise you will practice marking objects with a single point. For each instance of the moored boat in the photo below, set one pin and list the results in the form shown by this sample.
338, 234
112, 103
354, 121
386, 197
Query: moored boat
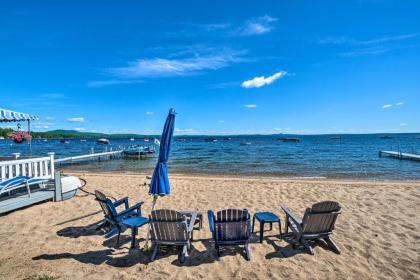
102, 141
137, 151
294, 140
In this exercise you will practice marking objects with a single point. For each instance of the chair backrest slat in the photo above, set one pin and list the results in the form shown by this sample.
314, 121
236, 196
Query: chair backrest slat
321, 217
232, 224
106, 204
168, 225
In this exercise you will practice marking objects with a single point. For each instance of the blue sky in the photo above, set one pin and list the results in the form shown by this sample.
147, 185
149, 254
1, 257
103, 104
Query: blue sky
228, 67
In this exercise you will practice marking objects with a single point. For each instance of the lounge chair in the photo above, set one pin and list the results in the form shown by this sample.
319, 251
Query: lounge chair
317, 223
169, 227
118, 220
231, 227
21, 182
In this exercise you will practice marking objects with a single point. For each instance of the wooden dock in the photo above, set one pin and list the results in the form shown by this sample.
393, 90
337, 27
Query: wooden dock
98, 156
399, 155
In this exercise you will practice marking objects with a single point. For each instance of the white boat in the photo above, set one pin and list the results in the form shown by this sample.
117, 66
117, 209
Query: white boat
131, 139
1, 138
102, 141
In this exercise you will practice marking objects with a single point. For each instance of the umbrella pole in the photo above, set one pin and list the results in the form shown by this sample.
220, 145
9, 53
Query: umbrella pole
146, 246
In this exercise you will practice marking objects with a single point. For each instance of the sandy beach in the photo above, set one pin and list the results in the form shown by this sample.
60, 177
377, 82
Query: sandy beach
378, 232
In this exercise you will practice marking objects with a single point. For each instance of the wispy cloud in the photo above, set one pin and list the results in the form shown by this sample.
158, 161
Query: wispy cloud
348, 40
184, 130
221, 121
164, 67
403, 124
399, 103
256, 26
386, 106
263, 81
80, 129
149, 113
76, 120
373, 46
103, 83
250, 106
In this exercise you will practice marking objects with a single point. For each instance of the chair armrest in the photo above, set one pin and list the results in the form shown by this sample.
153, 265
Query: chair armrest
123, 200
210, 216
293, 217
135, 207
192, 221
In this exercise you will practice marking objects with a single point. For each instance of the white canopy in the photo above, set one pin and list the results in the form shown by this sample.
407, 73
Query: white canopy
11, 116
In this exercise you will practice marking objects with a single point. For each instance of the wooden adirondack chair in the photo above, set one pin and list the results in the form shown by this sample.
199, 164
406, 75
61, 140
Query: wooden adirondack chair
169, 227
317, 223
231, 227
114, 218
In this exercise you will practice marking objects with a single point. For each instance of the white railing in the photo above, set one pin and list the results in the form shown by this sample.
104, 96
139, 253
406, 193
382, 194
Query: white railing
42, 167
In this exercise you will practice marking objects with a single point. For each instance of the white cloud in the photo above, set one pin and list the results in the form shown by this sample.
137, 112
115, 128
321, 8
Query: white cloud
263, 81
103, 83
399, 103
184, 130
49, 118
163, 67
403, 124
348, 40
386, 106
41, 126
149, 113
256, 26
251, 106
80, 128
77, 119
221, 121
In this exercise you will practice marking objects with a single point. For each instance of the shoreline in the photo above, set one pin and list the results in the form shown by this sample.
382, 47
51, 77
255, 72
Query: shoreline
247, 177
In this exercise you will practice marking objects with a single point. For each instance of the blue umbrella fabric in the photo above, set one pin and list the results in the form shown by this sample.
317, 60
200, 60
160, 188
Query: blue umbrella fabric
160, 182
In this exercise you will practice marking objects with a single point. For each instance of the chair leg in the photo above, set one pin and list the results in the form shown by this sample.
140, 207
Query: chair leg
154, 252
133, 237
218, 251
332, 245
118, 238
280, 229
183, 254
253, 224
286, 225
308, 247
271, 226
261, 232
247, 254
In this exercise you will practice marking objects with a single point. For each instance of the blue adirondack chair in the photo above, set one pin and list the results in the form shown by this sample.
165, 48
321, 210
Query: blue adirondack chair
231, 227
130, 217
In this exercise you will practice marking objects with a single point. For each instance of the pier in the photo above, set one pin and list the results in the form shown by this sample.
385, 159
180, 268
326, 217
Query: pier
399, 155
92, 156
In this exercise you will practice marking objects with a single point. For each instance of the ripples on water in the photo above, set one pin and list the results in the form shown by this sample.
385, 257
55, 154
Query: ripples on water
352, 156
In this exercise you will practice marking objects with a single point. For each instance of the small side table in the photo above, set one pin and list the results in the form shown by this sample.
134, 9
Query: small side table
265, 218
134, 223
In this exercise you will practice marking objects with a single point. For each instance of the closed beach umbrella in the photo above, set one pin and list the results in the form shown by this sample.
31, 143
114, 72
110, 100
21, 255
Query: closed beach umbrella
160, 182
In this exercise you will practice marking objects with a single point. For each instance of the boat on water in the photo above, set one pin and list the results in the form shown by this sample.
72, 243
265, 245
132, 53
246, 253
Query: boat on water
102, 141
131, 139
44, 140
138, 152
335, 137
1, 138
227, 138
386, 137
285, 139
210, 139
245, 143
82, 140
146, 139
64, 141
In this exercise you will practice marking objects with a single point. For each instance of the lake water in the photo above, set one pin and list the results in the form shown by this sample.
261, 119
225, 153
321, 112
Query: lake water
351, 156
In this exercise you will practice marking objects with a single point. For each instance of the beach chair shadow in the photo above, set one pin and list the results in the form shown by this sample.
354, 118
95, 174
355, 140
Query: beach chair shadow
196, 257
282, 251
107, 256
76, 232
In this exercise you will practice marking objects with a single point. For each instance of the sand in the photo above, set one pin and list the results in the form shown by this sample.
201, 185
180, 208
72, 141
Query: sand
378, 232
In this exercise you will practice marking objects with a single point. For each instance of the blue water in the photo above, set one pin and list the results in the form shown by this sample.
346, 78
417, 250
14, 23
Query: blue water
352, 156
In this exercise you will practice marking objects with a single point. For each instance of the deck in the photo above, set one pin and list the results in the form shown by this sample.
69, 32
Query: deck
399, 155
